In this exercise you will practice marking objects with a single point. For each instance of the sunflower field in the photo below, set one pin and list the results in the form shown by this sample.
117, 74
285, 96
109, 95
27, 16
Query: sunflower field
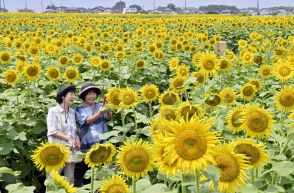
201, 103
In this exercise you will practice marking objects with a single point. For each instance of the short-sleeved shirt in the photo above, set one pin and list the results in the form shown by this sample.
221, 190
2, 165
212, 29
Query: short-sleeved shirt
56, 123
89, 132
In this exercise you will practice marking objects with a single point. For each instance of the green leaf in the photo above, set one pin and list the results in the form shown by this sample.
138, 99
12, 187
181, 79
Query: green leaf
19, 188
274, 188
5, 170
250, 189
158, 188
142, 184
107, 135
283, 168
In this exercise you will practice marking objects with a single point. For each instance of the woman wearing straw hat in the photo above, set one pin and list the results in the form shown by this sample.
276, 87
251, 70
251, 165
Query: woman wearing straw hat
61, 125
92, 121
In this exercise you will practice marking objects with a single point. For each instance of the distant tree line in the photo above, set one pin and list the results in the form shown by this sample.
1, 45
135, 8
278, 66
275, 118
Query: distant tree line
218, 8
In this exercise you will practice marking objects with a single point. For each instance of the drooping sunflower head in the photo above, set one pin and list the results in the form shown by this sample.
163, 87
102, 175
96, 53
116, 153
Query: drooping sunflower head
248, 91
285, 99
50, 156
115, 184
61, 181
265, 71
213, 100
257, 122
228, 95
169, 98
232, 169
158, 54
10, 77
136, 158
149, 92
5, 57
200, 78
186, 110
257, 83
20, 66
178, 85
32, 71
182, 71
173, 63
52, 73
209, 63
128, 98
168, 112
284, 71
225, 64
113, 97
234, 119
190, 144
256, 153
99, 154
105, 65
71, 74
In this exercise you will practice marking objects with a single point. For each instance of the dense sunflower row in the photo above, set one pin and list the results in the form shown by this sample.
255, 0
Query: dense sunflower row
213, 89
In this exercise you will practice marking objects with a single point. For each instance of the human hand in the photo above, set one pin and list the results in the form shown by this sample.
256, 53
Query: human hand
71, 142
78, 143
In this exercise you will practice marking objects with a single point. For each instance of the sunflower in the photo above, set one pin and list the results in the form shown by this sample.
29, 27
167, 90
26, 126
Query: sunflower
168, 112
32, 71
200, 78
256, 121
256, 83
284, 71
255, 152
213, 100
149, 92
151, 48
169, 98
105, 65
52, 73
242, 44
265, 71
173, 63
225, 64
186, 110
5, 57
115, 184
20, 66
183, 71
190, 144
154, 126
158, 54
232, 168
71, 74
247, 58
228, 95
61, 181
33, 50
164, 165
177, 84
95, 61
195, 58
10, 77
63, 60
140, 64
113, 97
248, 91
285, 99
77, 59
209, 63
135, 158
234, 119
99, 154
120, 55
51, 156
128, 98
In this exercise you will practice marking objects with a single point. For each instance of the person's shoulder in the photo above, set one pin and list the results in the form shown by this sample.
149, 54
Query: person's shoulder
53, 109
79, 108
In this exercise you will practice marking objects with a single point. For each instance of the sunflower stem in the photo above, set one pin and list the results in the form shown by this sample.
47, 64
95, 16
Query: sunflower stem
165, 180
135, 124
150, 110
183, 186
134, 185
252, 176
197, 187
92, 180
274, 178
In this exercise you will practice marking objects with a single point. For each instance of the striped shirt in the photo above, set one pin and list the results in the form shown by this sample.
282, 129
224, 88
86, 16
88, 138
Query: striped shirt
89, 132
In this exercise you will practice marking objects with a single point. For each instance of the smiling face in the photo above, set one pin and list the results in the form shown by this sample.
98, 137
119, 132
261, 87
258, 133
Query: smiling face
90, 97
68, 99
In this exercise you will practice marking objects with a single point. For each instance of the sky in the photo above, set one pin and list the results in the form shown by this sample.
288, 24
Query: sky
13, 5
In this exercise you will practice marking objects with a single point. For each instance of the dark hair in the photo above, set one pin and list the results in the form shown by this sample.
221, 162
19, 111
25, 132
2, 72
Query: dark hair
83, 95
60, 100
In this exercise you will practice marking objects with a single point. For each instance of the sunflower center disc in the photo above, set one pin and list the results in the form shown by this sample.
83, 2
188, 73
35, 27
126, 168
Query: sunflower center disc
128, 99
51, 156
5, 57
257, 122
169, 99
248, 91
190, 145
32, 71
71, 74
209, 65
99, 155
11, 77
229, 168
115, 188
136, 160
236, 119
287, 99
285, 71
251, 152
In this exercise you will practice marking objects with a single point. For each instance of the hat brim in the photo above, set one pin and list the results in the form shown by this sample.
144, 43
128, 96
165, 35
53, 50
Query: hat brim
88, 88
64, 91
